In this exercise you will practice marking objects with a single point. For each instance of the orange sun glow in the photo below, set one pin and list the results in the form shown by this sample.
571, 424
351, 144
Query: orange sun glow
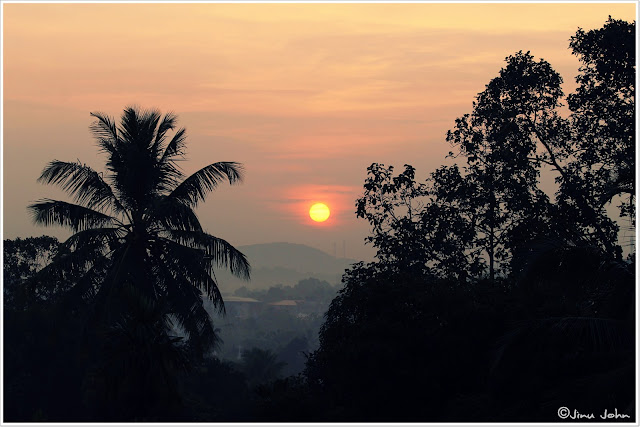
319, 212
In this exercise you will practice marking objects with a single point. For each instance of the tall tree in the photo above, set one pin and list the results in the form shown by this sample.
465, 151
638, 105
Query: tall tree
135, 226
603, 116
502, 158
593, 151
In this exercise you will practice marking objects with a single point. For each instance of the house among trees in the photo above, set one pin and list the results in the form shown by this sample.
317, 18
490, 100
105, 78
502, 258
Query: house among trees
242, 307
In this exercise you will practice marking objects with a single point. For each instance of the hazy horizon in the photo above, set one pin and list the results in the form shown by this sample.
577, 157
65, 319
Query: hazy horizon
306, 96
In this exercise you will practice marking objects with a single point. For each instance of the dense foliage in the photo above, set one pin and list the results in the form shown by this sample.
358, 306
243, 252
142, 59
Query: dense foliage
22, 258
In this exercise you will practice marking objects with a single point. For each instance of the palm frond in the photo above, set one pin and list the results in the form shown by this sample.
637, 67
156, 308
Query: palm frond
198, 325
218, 250
67, 270
195, 320
170, 174
105, 299
138, 127
194, 266
67, 262
92, 237
167, 124
76, 217
175, 146
182, 277
105, 131
82, 182
129, 125
171, 213
194, 189
86, 288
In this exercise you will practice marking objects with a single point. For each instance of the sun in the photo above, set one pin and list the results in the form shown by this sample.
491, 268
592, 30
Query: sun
319, 212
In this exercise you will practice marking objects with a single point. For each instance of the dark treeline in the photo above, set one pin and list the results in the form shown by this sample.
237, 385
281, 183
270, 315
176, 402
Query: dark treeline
307, 289
489, 300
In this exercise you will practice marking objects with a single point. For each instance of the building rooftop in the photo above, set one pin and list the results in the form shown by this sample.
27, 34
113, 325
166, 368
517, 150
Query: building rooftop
284, 302
234, 298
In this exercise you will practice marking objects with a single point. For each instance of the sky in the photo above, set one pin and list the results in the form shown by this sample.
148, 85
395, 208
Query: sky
305, 95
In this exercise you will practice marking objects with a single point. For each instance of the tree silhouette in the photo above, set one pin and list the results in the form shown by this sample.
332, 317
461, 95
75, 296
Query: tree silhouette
498, 147
135, 225
22, 259
419, 227
603, 110
392, 205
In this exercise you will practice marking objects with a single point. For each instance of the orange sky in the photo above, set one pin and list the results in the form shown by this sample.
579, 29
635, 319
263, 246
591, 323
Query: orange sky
305, 95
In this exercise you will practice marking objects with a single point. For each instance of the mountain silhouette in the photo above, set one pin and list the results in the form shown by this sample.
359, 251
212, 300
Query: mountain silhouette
286, 264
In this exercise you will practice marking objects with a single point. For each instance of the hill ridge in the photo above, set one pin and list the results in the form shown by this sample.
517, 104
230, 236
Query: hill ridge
286, 263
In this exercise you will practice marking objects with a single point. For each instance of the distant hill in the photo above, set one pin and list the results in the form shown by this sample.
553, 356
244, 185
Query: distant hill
285, 263
294, 256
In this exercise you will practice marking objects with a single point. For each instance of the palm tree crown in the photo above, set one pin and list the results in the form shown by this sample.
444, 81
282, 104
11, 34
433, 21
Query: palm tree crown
135, 226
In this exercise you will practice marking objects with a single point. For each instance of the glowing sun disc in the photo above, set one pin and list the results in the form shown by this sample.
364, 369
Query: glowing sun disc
319, 212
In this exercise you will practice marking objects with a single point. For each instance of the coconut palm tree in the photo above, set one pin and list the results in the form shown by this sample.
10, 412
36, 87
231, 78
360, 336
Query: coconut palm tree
135, 227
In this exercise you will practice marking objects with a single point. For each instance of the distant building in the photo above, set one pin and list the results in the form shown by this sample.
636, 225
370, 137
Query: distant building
242, 307
288, 305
